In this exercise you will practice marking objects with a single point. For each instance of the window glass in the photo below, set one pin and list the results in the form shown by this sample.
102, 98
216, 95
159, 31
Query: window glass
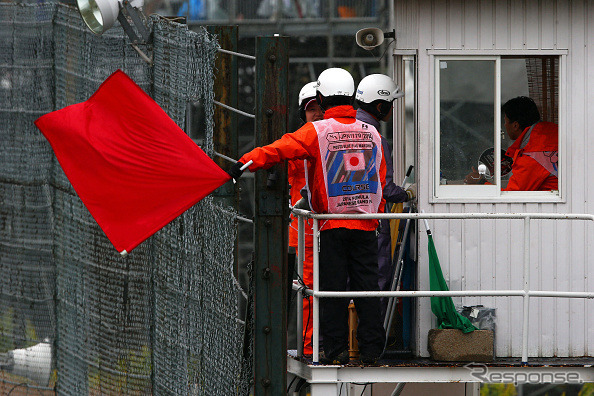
514, 82
538, 79
409, 105
466, 116
473, 135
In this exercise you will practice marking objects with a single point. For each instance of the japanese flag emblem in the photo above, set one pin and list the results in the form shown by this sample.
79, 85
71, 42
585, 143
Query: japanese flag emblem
354, 161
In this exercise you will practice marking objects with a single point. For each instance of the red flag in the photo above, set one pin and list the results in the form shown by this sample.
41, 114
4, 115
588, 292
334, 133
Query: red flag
132, 166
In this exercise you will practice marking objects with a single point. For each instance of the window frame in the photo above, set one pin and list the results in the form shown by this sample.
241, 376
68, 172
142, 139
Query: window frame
492, 193
402, 139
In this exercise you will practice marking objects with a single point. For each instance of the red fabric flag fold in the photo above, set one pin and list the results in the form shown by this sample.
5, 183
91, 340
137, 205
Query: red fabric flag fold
132, 166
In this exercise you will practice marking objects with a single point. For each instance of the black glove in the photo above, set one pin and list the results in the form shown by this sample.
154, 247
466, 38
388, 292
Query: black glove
235, 171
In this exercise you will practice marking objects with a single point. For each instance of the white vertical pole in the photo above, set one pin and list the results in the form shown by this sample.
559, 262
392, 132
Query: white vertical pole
526, 288
300, 257
316, 288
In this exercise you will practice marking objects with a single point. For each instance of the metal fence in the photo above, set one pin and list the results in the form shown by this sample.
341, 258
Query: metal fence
526, 293
76, 317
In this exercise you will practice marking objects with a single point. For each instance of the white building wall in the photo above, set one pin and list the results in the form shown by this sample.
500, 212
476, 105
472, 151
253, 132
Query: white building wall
488, 254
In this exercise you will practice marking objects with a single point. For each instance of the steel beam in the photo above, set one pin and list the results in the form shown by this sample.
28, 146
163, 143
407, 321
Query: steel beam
271, 221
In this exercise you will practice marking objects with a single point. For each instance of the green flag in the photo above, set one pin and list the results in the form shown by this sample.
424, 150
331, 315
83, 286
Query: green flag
443, 307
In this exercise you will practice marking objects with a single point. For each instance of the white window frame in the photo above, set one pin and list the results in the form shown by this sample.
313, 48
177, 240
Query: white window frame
400, 57
492, 193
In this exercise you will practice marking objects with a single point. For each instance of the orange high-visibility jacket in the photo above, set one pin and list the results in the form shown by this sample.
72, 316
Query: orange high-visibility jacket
303, 144
535, 161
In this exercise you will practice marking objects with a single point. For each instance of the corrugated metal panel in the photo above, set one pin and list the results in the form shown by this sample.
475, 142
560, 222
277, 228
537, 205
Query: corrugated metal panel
501, 27
517, 33
532, 24
547, 24
455, 26
470, 24
489, 254
486, 24
406, 19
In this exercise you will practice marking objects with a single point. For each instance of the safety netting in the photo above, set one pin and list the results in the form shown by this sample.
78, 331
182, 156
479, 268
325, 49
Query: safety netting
27, 269
75, 316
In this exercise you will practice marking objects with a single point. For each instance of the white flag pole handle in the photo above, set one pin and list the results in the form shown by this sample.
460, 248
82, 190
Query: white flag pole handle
246, 165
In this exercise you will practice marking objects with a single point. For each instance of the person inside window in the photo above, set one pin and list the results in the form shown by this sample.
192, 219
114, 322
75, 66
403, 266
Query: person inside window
534, 151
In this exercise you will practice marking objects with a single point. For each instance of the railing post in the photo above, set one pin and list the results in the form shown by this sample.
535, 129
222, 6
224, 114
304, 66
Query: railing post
316, 288
271, 221
300, 258
526, 289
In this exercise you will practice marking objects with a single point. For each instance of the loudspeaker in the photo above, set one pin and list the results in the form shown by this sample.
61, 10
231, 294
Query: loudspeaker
369, 38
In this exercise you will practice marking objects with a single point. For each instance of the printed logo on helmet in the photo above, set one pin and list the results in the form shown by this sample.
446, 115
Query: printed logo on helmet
383, 92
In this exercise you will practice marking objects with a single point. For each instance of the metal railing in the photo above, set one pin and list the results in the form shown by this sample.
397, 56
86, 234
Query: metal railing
525, 293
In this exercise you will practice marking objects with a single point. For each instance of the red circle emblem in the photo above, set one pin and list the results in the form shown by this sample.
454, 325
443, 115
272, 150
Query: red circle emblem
354, 161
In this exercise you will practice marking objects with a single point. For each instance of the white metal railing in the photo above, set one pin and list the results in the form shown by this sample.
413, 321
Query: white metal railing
526, 293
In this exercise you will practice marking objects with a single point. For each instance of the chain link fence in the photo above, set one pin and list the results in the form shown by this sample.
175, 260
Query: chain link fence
75, 317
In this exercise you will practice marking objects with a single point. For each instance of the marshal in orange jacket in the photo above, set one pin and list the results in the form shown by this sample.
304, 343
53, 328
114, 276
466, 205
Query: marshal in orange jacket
535, 159
303, 144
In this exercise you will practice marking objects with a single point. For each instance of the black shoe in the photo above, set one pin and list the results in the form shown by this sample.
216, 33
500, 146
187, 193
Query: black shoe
342, 358
369, 360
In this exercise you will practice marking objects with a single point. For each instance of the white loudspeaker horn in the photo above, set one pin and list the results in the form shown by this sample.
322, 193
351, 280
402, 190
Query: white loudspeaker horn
369, 38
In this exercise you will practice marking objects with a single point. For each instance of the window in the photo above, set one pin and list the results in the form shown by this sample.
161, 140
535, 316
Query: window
470, 128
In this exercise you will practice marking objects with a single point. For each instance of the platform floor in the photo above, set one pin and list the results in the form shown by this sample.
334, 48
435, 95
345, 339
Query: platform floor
507, 370
498, 362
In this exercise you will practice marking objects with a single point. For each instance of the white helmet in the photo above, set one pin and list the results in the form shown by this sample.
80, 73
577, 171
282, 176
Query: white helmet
307, 92
335, 83
306, 95
377, 87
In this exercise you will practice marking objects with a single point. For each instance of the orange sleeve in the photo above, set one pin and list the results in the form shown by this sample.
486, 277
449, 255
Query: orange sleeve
528, 175
297, 145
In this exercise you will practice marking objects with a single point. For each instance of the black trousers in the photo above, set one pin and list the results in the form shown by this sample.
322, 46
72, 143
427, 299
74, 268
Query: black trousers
350, 256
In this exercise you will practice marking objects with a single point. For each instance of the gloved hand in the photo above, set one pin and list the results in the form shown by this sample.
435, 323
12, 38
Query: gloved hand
411, 191
235, 171
474, 177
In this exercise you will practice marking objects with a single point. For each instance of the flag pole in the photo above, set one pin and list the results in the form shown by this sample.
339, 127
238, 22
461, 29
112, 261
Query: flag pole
247, 164
426, 223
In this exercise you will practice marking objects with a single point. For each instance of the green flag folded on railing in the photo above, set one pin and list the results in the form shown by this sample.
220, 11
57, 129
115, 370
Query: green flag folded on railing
443, 307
